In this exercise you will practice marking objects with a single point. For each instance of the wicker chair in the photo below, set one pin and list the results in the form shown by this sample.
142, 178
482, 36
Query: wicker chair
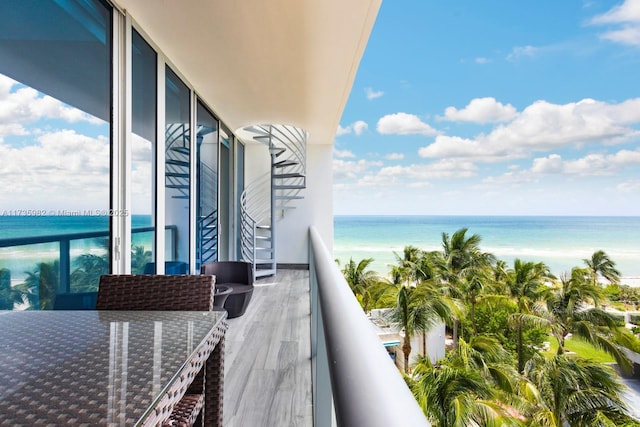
155, 292
237, 275
160, 292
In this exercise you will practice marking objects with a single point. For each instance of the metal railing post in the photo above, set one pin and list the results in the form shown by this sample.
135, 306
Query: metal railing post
64, 284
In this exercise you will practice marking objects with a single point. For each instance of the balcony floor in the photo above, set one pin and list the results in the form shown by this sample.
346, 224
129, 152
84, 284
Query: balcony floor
268, 356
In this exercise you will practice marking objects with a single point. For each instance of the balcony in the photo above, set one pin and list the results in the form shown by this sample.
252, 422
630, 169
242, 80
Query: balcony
304, 353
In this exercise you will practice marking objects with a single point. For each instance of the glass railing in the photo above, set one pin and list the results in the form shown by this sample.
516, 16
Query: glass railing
63, 270
365, 387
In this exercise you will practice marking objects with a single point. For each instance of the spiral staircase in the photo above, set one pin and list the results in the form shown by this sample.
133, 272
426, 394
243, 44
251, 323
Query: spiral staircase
177, 166
269, 197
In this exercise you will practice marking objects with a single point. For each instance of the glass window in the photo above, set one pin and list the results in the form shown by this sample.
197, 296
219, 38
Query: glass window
143, 155
55, 99
207, 197
177, 174
239, 190
225, 193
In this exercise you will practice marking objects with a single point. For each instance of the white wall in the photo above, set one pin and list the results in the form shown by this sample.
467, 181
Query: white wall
292, 231
315, 209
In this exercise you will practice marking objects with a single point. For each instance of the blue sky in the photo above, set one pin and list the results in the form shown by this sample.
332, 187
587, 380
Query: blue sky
494, 108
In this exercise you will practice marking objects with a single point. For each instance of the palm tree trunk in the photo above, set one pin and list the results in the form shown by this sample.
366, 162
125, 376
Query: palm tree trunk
520, 352
406, 350
455, 333
560, 346
424, 343
473, 316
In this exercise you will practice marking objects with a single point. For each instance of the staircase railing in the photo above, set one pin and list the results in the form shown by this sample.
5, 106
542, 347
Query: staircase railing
207, 216
177, 161
271, 193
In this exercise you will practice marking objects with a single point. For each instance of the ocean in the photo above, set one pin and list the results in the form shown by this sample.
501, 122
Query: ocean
562, 242
24, 258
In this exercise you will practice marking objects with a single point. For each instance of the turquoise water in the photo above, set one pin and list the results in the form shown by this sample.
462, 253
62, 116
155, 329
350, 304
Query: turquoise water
24, 258
560, 242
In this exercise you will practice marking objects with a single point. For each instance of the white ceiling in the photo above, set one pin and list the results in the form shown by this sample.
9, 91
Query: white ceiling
264, 61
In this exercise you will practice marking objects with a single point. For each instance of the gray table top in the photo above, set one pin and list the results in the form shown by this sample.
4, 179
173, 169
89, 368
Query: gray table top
94, 367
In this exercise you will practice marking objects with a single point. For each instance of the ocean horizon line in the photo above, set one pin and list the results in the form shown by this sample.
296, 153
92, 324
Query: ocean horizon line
488, 215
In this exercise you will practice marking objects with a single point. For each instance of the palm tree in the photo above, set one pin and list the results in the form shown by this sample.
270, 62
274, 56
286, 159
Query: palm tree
573, 391
457, 396
417, 309
485, 354
568, 312
526, 285
601, 264
465, 268
361, 281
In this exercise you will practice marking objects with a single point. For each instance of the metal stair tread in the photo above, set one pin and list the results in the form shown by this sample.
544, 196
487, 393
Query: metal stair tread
181, 150
289, 175
285, 163
177, 162
288, 187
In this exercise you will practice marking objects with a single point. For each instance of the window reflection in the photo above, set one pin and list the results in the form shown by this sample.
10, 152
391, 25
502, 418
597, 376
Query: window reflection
143, 152
55, 95
177, 173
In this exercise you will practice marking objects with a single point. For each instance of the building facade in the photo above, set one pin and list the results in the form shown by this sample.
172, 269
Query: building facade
129, 131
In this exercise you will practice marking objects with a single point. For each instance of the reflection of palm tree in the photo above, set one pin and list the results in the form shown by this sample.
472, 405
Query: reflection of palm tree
9, 295
139, 259
89, 268
86, 276
574, 391
41, 284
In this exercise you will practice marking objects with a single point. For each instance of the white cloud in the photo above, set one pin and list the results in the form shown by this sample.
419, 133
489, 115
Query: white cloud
394, 156
373, 94
629, 186
482, 110
404, 124
26, 105
342, 131
482, 60
625, 15
442, 169
343, 154
358, 128
590, 165
350, 170
522, 52
60, 169
544, 126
